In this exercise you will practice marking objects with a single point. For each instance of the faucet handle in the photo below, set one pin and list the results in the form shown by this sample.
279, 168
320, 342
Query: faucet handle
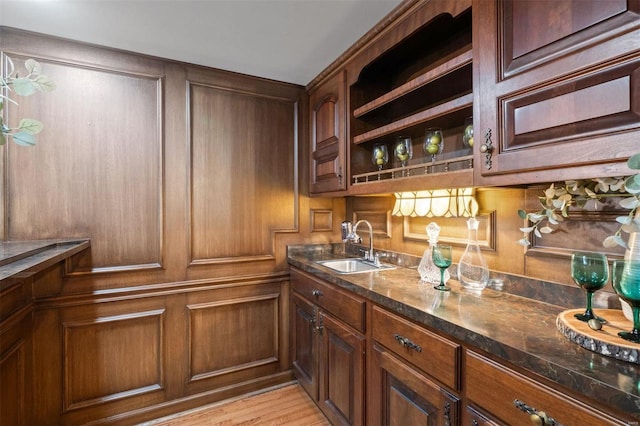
365, 253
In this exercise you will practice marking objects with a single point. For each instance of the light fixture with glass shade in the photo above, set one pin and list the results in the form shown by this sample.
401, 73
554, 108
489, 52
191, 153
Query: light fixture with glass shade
455, 202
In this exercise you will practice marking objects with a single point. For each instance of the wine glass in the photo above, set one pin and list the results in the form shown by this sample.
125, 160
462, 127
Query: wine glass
433, 142
403, 150
441, 256
591, 272
626, 283
380, 155
467, 136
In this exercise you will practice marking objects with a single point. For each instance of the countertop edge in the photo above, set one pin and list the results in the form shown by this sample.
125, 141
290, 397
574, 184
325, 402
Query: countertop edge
44, 254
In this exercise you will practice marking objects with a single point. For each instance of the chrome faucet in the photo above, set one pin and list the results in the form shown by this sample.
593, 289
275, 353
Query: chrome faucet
353, 237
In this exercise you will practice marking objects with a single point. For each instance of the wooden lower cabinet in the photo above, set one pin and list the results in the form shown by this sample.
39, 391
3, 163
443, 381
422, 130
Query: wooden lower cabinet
414, 374
515, 399
398, 394
304, 344
328, 353
15, 368
341, 357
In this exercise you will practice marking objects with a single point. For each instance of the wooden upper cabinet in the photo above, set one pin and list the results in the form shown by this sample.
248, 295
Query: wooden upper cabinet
328, 137
556, 89
414, 78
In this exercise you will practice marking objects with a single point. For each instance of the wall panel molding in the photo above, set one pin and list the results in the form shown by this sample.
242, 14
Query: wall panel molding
321, 220
102, 177
453, 230
248, 326
96, 349
380, 222
250, 164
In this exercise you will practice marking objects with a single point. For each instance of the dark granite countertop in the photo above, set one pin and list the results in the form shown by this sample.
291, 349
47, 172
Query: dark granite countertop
519, 330
19, 259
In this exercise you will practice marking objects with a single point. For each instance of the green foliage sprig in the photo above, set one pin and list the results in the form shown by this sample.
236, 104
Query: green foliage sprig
559, 197
32, 82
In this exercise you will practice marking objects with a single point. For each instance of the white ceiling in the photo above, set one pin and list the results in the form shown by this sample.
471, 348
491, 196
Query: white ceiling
286, 40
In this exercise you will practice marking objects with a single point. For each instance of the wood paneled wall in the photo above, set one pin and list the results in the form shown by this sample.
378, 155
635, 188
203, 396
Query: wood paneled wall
188, 181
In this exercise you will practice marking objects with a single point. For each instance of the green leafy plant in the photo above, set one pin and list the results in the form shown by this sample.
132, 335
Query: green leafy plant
22, 85
559, 197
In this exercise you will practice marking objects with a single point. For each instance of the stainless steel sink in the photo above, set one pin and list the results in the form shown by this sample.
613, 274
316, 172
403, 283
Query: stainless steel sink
353, 266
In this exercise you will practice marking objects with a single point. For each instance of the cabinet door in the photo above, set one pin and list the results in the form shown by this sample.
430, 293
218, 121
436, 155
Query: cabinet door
555, 87
15, 369
328, 139
341, 360
304, 344
399, 395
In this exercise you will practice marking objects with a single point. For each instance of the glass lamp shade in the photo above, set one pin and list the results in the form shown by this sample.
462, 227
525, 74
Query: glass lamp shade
457, 202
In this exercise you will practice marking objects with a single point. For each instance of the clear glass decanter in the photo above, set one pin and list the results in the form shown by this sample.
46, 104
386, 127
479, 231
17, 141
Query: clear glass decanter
473, 272
428, 271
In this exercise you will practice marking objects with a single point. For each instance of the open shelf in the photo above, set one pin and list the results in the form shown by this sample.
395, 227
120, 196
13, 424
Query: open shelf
423, 81
458, 62
451, 111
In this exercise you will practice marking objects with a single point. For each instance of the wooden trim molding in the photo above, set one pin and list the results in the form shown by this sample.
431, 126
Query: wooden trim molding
206, 324
321, 220
87, 371
582, 230
384, 23
380, 222
453, 229
244, 229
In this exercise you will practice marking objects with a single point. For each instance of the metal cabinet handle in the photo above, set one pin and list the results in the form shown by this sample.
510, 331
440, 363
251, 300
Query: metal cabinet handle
447, 414
407, 343
538, 418
487, 149
317, 292
319, 325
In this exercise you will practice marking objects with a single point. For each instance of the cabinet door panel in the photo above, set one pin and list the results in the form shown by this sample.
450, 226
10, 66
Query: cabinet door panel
341, 372
399, 395
566, 24
328, 140
305, 367
554, 83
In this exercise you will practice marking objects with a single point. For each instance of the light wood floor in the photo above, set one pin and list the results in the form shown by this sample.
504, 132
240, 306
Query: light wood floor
286, 405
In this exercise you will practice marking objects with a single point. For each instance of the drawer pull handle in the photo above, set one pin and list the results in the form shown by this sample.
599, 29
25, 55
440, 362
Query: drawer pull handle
538, 418
316, 292
407, 343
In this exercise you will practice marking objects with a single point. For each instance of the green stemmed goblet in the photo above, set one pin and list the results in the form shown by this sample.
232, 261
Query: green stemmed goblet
441, 256
626, 284
591, 272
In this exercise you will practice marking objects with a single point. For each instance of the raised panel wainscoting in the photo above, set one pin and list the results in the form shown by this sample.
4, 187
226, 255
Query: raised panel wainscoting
186, 181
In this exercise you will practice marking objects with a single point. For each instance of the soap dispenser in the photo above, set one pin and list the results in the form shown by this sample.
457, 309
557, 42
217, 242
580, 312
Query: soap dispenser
428, 271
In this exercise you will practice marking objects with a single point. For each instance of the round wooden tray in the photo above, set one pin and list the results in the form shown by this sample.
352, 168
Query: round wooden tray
604, 341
